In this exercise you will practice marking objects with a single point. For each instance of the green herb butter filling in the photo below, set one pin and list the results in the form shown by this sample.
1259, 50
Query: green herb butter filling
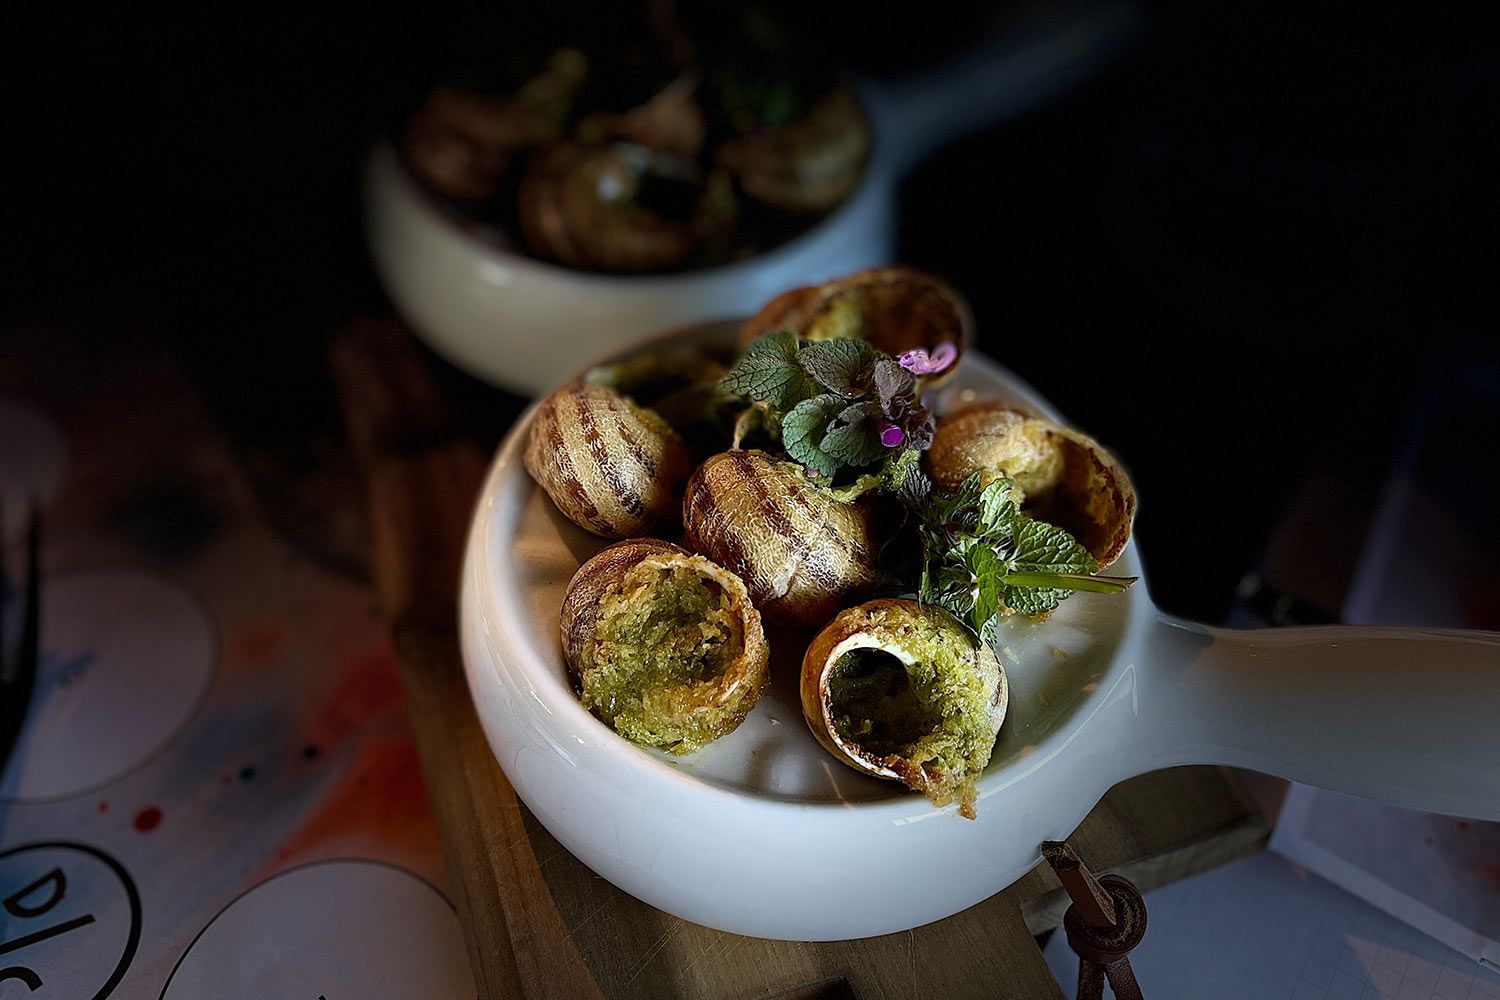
664, 638
843, 316
925, 714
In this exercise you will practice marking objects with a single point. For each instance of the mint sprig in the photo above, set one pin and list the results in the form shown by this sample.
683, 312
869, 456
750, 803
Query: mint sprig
843, 365
836, 404
768, 372
805, 429
983, 558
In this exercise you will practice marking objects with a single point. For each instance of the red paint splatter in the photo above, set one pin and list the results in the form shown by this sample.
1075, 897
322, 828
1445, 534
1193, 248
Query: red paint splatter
378, 801
368, 689
1488, 870
104, 807
372, 806
147, 819
1463, 824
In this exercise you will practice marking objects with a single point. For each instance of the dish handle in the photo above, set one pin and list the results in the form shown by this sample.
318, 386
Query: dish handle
1408, 716
1002, 77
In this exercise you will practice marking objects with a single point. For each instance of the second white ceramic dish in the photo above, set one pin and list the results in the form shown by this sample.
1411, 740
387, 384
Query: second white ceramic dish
525, 324
763, 833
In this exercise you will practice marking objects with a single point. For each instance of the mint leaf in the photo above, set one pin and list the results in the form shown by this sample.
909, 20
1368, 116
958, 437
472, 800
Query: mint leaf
768, 372
989, 632
948, 512
841, 365
894, 386
856, 412
826, 433
997, 508
989, 570
904, 476
856, 443
804, 429
952, 589
1045, 548
1030, 600
984, 558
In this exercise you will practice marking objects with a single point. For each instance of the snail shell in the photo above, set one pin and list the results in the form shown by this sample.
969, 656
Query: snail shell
627, 582
672, 121
463, 144
802, 553
931, 675
578, 205
681, 387
1065, 477
610, 466
808, 165
896, 309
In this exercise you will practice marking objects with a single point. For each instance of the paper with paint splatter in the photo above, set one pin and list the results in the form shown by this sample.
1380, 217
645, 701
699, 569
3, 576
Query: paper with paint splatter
216, 792
1427, 560
1438, 874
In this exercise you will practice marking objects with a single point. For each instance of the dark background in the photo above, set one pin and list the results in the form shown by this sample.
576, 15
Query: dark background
1236, 256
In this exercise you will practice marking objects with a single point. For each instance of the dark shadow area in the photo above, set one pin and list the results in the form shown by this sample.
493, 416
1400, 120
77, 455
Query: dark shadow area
1230, 257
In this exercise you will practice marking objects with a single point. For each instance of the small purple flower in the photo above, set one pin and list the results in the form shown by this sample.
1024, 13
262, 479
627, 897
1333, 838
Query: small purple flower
890, 435
919, 362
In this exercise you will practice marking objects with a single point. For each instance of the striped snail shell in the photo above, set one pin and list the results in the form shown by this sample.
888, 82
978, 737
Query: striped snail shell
897, 309
1065, 478
611, 467
802, 553
906, 692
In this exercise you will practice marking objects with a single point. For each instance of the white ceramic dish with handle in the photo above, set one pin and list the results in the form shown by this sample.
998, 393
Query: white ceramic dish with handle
526, 324
763, 833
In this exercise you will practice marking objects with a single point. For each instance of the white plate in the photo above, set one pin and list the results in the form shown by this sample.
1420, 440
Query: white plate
763, 833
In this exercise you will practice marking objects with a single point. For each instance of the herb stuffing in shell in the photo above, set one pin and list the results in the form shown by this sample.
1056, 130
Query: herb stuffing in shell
664, 646
904, 691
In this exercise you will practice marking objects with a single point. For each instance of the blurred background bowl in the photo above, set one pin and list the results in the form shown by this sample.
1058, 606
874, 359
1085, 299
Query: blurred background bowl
525, 324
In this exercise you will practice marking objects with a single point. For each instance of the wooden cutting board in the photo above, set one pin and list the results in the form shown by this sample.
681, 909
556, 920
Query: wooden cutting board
541, 924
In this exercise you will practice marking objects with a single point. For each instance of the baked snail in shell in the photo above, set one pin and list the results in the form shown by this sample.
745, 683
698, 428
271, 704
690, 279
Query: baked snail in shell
463, 144
663, 645
906, 692
1063, 477
896, 309
587, 207
808, 165
611, 467
802, 553
681, 387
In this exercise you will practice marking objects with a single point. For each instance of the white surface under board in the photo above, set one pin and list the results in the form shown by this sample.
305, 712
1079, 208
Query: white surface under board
1266, 929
